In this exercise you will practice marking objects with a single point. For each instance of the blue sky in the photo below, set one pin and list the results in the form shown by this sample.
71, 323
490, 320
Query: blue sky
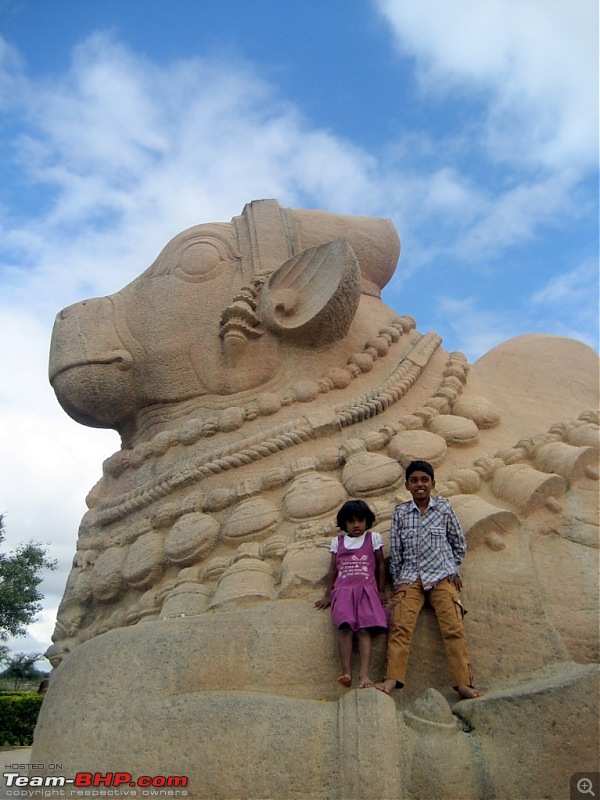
473, 125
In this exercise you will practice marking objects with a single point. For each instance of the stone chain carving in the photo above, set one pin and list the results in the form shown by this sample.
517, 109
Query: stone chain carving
363, 408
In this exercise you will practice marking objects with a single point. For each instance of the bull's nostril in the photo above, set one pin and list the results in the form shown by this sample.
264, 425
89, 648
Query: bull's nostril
122, 359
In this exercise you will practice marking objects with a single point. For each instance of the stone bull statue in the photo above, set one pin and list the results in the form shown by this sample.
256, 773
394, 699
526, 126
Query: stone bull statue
258, 381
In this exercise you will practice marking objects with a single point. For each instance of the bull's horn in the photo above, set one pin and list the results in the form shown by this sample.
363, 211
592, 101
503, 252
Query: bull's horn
313, 297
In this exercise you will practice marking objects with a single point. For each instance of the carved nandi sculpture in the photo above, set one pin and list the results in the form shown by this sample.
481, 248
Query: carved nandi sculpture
258, 381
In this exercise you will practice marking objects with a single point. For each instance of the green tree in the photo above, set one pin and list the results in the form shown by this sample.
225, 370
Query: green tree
21, 669
20, 575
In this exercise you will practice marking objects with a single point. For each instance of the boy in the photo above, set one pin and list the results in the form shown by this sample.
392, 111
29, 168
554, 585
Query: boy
426, 547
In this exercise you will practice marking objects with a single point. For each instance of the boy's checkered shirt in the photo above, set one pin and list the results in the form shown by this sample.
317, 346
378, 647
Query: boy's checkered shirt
429, 546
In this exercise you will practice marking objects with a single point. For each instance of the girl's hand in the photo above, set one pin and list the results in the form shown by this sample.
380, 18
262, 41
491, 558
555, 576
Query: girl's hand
324, 602
384, 598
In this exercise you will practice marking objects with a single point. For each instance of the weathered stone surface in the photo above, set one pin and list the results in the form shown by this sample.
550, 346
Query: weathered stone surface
553, 713
257, 382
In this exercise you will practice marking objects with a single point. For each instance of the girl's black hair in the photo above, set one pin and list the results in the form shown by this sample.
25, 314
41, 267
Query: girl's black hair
355, 509
420, 466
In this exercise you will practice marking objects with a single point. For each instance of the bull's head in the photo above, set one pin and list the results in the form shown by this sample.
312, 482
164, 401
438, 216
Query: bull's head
212, 313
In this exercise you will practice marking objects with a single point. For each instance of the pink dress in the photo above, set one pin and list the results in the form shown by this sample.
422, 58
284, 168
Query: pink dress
354, 598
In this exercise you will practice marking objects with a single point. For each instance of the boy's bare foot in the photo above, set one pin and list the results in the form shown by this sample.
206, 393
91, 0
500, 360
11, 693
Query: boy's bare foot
365, 683
386, 686
345, 680
468, 692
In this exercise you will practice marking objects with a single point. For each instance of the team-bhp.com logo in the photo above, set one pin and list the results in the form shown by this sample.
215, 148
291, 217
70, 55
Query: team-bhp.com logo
94, 784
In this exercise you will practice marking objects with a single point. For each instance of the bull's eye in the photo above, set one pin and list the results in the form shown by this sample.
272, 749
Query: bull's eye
202, 259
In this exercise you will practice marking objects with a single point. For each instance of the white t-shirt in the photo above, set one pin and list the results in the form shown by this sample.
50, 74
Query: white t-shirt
356, 542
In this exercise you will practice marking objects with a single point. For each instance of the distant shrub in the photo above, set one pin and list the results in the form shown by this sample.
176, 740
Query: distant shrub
18, 716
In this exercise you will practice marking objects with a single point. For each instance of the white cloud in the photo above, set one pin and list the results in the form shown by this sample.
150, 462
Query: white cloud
514, 216
476, 330
561, 307
133, 153
566, 299
36, 639
570, 288
535, 64
47, 462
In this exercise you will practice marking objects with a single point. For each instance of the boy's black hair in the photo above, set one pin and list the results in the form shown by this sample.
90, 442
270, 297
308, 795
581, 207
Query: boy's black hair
355, 509
419, 466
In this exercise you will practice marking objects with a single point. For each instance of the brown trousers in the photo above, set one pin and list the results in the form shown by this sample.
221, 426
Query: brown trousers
408, 600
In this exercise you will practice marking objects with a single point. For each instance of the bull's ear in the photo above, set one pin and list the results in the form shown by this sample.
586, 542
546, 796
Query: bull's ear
313, 297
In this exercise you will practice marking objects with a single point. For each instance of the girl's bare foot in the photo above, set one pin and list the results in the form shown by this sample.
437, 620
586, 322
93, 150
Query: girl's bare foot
386, 686
468, 692
345, 680
365, 683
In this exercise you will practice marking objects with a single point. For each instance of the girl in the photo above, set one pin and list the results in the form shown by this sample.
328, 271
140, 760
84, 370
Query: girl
356, 587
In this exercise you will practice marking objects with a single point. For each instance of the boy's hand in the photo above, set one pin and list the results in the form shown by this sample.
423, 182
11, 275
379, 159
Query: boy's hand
324, 602
455, 579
